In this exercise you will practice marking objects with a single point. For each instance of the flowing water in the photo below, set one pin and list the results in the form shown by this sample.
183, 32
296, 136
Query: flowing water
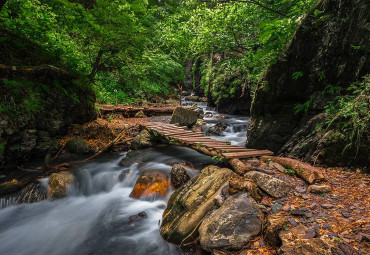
94, 217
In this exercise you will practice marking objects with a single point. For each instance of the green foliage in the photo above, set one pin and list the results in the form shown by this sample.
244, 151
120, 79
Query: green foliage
358, 47
298, 108
331, 90
2, 148
350, 114
219, 159
321, 75
290, 172
297, 75
23, 97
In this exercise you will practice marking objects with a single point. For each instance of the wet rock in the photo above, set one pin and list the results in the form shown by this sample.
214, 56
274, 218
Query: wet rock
231, 226
151, 183
221, 117
142, 140
202, 99
208, 115
178, 176
184, 117
32, 193
59, 183
275, 223
298, 240
239, 183
189, 204
293, 221
200, 112
192, 98
140, 114
137, 217
300, 211
277, 166
217, 129
276, 208
272, 186
77, 145
319, 188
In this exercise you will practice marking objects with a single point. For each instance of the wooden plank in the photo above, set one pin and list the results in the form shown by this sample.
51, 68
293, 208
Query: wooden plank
247, 154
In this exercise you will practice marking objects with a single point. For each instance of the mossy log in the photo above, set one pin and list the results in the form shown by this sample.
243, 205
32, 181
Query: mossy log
305, 171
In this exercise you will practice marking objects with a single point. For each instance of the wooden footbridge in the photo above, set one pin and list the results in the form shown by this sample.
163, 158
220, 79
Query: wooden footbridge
197, 141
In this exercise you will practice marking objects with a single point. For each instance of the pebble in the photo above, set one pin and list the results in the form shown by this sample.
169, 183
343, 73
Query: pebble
276, 208
327, 206
345, 214
299, 211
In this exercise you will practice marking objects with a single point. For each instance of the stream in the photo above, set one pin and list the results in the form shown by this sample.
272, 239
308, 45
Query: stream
94, 217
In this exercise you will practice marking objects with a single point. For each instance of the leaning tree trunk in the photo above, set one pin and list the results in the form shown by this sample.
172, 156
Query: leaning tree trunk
96, 64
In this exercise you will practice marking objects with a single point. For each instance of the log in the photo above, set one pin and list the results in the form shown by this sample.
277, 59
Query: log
131, 111
239, 167
305, 171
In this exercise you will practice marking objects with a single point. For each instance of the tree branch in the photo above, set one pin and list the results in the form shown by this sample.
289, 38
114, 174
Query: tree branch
252, 2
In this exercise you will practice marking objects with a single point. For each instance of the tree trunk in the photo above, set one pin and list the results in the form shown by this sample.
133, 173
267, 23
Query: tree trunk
96, 64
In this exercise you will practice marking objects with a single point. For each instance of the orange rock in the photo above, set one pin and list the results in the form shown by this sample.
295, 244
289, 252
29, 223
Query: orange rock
151, 183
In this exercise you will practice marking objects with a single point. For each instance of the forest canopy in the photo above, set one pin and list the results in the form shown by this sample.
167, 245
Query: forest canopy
141, 47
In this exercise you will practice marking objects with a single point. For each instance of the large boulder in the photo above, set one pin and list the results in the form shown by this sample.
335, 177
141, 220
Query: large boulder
299, 240
231, 226
330, 47
59, 183
184, 117
189, 204
178, 176
76, 145
271, 185
151, 183
142, 140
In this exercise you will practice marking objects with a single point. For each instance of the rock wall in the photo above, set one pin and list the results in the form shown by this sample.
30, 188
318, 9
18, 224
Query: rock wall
38, 102
330, 47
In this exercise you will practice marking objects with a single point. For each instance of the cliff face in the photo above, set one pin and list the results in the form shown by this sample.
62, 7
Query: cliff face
331, 48
38, 101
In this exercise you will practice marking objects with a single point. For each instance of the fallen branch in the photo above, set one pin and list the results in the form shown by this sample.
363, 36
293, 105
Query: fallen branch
307, 172
56, 155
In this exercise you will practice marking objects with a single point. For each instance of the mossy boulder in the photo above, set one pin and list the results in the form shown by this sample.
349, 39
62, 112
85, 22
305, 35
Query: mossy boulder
233, 225
77, 145
59, 183
184, 117
142, 140
189, 204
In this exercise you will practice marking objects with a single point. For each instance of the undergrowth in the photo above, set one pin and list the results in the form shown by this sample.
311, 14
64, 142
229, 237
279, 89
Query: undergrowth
350, 114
